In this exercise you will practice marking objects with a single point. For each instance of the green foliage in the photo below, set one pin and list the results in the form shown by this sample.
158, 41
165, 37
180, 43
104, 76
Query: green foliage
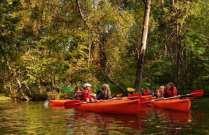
47, 43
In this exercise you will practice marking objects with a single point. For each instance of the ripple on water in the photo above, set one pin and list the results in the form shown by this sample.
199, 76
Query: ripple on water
34, 118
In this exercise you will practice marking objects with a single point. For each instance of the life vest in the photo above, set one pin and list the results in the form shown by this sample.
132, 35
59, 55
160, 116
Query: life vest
87, 95
171, 92
147, 92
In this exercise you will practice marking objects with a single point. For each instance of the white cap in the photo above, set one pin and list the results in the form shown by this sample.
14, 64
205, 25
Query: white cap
86, 85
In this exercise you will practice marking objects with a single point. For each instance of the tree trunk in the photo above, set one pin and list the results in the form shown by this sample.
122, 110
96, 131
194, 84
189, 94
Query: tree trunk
142, 48
178, 47
162, 3
102, 53
178, 56
172, 2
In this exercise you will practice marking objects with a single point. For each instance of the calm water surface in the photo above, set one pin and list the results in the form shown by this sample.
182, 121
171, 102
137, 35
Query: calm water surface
36, 119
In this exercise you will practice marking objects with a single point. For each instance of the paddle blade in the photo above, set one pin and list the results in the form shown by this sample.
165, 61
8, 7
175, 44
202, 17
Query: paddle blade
130, 89
72, 104
197, 93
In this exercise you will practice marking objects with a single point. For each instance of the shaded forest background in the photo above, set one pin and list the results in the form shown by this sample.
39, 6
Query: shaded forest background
46, 45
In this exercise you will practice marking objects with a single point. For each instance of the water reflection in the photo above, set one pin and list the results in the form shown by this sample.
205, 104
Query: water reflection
161, 120
167, 122
34, 118
174, 117
94, 124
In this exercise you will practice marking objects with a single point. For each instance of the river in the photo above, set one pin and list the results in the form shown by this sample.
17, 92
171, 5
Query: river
34, 118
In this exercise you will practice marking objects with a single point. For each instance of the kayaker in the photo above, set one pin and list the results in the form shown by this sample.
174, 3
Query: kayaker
170, 90
146, 91
160, 91
88, 95
78, 93
104, 93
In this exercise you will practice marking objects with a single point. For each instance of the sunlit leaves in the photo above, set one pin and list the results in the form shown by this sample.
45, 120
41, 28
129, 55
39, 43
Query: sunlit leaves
51, 41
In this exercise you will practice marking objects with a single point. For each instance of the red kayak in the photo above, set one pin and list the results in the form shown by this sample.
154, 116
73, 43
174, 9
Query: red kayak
117, 106
60, 103
139, 96
183, 105
124, 105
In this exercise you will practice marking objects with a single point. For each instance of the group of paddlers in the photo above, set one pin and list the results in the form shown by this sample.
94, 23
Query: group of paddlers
85, 93
164, 91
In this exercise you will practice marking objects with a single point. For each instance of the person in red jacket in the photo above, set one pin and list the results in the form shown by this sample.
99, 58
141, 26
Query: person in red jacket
88, 95
170, 90
146, 91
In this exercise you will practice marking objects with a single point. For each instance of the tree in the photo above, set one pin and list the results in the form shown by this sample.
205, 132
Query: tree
142, 48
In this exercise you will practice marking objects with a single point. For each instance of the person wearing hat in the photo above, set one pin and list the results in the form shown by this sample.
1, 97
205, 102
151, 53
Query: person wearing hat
88, 95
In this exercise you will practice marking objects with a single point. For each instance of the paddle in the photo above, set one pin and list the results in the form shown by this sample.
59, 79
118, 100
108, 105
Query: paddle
194, 94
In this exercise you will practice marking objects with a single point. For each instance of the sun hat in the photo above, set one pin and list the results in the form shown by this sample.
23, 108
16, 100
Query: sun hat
86, 85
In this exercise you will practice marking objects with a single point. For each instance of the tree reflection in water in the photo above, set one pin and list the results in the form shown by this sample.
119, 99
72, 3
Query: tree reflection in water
93, 124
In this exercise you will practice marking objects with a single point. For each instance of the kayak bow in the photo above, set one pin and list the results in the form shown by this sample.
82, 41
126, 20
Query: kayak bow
60, 103
183, 105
